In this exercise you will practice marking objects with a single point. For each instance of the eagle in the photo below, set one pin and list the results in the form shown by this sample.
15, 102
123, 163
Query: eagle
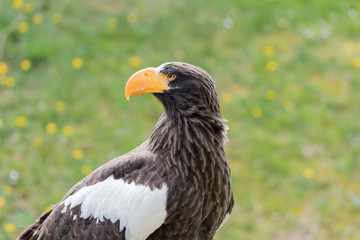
176, 185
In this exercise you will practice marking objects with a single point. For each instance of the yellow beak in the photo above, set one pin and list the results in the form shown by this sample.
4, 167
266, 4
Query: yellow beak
146, 81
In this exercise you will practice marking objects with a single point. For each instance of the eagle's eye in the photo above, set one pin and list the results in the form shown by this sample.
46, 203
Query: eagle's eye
171, 76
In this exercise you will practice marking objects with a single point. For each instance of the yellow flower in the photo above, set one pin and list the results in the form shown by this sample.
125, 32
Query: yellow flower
131, 17
57, 18
78, 154
25, 65
86, 169
112, 22
1, 122
47, 208
60, 106
9, 82
7, 190
226, 98
3, 68
67, 130
2, 202
356, 62
256, 112
37, 142
288, 105
269, 51
51, 128
77, 63
270, 94
38, 18
10, 227
21, 121
134, 61
29, 7
23, 27
18, 4
309, 173
271, 66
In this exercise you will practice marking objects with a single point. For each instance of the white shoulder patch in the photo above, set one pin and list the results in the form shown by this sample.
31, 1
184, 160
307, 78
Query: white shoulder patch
137, 207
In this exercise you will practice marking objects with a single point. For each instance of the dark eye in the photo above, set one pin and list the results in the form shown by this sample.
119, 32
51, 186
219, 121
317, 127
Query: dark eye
171, 76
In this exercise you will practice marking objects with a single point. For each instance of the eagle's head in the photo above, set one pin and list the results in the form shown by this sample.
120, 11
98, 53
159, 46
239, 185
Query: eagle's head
181, 87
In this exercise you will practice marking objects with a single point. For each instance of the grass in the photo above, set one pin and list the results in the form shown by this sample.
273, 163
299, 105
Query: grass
287, 76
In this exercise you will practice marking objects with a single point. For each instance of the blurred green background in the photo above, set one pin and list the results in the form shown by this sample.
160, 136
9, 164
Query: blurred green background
287, 74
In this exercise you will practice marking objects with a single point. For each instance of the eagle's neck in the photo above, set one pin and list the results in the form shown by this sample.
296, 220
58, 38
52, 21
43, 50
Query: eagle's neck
173, 134
192, 162
190, 143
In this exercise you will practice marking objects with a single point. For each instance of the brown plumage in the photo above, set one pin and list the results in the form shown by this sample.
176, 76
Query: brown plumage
183, 159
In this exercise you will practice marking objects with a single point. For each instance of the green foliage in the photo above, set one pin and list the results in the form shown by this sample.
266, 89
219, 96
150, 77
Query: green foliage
287, 76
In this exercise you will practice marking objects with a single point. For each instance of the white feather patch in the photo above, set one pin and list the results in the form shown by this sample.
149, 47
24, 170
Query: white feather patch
137, 207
